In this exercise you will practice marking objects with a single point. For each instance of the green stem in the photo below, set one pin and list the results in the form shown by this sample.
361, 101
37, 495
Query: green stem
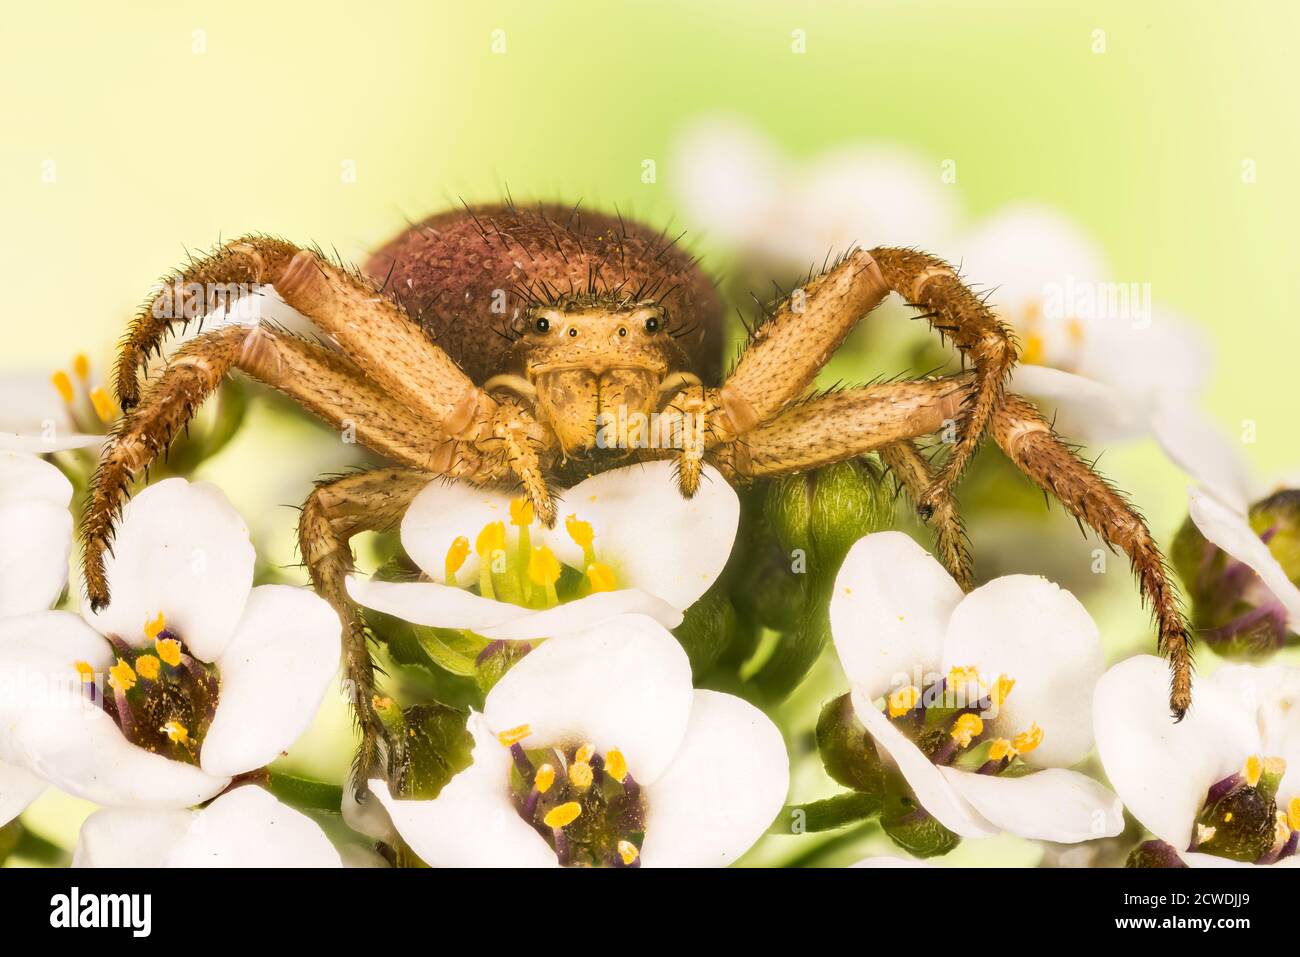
304, 793
827, 815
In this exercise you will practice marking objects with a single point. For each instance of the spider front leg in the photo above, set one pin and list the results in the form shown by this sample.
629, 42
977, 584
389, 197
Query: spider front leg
911, 468
786, 353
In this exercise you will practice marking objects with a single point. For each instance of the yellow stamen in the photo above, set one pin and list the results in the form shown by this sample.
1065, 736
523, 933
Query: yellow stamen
105, 407
966, 728
63, 384
1275, 767
521, 511
1002, 690
1253, 770
176, 731
154, 628
960, 678
903, 700
1026, 741
544, 779
616, 768
562, 815
87, 673
456, 556
169, 650
1074, 328
81, 366
1281, 829
121, 677
1293, 813
1034, 349
1227, 818
579, 531
543, 567
628, 852
585, 753
580, 775
514, 735
492, 539
147, 666
601, 577
1000, 748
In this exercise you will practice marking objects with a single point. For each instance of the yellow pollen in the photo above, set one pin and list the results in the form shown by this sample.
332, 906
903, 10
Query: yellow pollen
543, 566
1293, 813
456, 556
514, 735
1026, 741
580, 774
579, 531
628, 852
1205, 834
521, 511
616, 766
491, 539
381, 702
154, 628
1074, 328
544, 779
81, 366
960, 677
169, 650
63, 384
121, 677
562, 815
903, 700
105, 407
1253, 770
585, 753
176, 731
87, 673
1034, 349
1281, 828
1276, 767
1001, 748
1002, 690
965, 728
601, 577
147, 666
1227, 818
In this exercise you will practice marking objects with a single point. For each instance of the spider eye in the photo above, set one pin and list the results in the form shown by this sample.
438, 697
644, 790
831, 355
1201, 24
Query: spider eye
542, 325
573, 331
622, 332
652, 324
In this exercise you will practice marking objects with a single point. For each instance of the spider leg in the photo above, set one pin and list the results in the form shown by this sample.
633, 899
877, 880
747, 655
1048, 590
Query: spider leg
371, 329
335, 512
910, 467
786, 352
1028, 440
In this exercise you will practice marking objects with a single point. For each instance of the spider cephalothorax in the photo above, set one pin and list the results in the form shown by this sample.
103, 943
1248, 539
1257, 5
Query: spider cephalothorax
495, 345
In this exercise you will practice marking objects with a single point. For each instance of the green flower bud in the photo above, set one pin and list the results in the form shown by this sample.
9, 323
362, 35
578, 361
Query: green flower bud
1278, 518
822, 513
438, 747
495, 660
910, 826
847, 752
1154, 854
706, 628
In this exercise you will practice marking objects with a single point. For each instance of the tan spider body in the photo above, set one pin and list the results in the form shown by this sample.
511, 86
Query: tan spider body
497, 345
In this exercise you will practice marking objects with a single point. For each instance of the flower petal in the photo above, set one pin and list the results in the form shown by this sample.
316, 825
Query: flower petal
182, 550
472, 822
623, 684
1083, 409
651, 536
1230, 531
34, 418
1271, 694
1037, 633
939, 798
440, 514
126, 837
18, 788
1198, 447
25, 478
724, 788
247, 827
1162, 770
441, 606
889, 611
1052, 805
274, 674
35, 543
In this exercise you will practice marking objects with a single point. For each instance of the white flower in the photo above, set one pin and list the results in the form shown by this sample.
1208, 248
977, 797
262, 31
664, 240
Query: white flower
40, 414
738, 188
208, 677
636, 543
1244, 723
606, 713
35, 542
245, 827
1017, 657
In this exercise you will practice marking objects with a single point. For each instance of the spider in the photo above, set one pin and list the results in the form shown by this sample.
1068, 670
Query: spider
604, 314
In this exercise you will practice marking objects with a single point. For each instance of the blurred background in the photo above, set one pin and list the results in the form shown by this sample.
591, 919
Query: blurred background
1161, 131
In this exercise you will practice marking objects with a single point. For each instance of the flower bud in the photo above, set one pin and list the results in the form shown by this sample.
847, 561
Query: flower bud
495, 660
847, 752
910, 826
705, 630
438, 747
1154, 854
1277, 518
824, 512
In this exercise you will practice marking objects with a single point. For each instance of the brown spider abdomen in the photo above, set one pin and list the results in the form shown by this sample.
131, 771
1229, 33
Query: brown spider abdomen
467, 276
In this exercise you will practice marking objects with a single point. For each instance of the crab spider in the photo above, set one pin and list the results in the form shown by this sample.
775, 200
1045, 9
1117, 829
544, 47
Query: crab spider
605, 315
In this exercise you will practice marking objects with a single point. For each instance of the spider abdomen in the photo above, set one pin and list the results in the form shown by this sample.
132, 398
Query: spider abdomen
467, 275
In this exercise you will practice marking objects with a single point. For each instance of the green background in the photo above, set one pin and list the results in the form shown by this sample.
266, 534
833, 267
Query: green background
159, 148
